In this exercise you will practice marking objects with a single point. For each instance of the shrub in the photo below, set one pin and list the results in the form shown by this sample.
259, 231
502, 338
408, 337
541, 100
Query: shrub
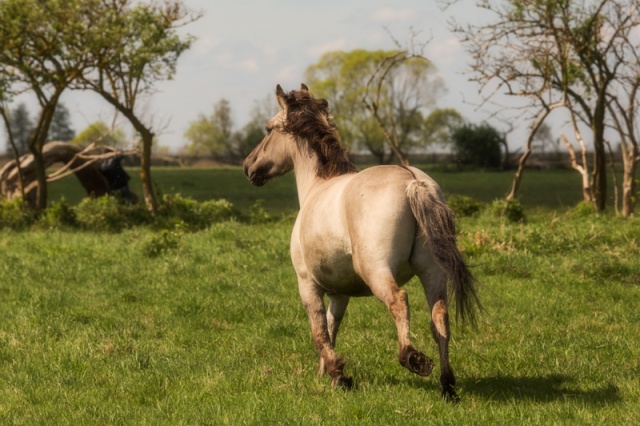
101, 214
511, 210
162, 242
15, 215
258, 214
583, 209
59, 214
464, 206
176, 210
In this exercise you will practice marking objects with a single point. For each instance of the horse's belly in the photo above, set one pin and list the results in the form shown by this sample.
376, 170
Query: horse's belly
335, 274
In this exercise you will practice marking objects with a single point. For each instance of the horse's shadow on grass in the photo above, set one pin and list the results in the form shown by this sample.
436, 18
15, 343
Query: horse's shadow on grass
548, 388
545, 389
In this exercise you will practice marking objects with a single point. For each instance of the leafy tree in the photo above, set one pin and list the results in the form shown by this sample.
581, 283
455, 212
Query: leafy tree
212, 135
477, 145
254, 131
204, 137
135, 45
21, 127
439, 125
60, 129
100, 132
407, 94
36, 37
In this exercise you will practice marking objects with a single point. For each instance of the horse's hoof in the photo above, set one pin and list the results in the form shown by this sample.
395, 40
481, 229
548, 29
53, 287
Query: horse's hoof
343, 382
418, 363
450, 395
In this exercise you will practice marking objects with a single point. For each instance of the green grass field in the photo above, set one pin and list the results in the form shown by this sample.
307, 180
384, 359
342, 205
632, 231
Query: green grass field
555, 189
95, 330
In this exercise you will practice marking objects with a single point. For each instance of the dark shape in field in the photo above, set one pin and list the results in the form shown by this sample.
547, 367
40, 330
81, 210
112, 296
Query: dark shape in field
98, 171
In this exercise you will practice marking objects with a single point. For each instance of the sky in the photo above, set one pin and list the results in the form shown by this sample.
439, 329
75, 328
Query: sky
244, 48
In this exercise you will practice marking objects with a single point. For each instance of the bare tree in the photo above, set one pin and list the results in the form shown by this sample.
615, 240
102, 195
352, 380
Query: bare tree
571, 54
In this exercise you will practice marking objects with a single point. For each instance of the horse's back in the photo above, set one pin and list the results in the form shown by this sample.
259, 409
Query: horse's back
359, 222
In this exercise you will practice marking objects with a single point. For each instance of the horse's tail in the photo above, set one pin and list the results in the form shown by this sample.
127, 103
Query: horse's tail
436, 222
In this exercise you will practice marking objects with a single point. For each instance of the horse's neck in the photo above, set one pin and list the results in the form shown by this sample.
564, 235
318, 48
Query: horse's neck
304, 166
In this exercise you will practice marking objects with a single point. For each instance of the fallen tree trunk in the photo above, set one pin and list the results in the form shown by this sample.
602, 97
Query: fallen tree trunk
84, 163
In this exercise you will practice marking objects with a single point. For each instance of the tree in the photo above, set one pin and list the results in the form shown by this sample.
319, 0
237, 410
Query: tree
36, 37
581, 56
407, 92
213, 135
21, 127
135, 45
100, 132
60, 129
477, 145
204, 137
254, 131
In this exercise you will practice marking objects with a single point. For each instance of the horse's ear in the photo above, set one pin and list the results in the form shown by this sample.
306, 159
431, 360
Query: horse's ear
280, 96
304, 87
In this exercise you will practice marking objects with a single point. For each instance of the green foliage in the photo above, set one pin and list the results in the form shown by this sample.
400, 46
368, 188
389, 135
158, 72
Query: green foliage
103, 214
477, 145
60, 129
100, 132
583, 209
176, 210
512, 210
59, 215
258, 213
163, 242
15, 215
464, 206
21, 127
408, 95
212, 135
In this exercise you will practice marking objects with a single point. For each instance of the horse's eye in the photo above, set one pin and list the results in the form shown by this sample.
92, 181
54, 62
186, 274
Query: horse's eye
268, 129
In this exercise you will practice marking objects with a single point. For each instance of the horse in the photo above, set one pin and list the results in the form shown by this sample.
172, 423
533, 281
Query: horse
362, 233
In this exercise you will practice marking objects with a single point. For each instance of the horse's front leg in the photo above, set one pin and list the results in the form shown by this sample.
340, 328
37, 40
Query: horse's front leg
312, 299
337, 306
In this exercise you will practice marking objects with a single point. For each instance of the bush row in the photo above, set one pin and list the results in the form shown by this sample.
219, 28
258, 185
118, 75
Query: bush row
464, 206
108, 214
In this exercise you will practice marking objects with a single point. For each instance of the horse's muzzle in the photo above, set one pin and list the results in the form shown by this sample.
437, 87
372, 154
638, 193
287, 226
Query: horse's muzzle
258, 176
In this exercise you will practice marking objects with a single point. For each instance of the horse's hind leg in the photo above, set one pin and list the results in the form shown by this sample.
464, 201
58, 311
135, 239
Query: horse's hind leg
385, 288
335, 313
434, 284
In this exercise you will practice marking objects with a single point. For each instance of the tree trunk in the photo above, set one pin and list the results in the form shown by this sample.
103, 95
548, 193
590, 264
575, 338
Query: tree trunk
40, 202
146, 136
515, 185
599, 158
145, 171
630, 163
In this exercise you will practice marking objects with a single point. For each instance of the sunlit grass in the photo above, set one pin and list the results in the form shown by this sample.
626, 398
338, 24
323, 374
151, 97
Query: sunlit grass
211, 331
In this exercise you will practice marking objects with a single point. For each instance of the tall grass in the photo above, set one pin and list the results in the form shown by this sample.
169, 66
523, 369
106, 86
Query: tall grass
99, 329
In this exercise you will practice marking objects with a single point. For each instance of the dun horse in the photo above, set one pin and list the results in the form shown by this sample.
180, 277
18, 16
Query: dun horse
362, 233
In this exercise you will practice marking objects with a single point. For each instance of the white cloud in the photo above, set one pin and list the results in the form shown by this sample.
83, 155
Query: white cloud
318, 50
250, 65
444, 52
287, 74
205, 45
388, 14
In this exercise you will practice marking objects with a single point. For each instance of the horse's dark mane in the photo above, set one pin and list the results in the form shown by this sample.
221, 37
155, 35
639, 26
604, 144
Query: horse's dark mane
310, 119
